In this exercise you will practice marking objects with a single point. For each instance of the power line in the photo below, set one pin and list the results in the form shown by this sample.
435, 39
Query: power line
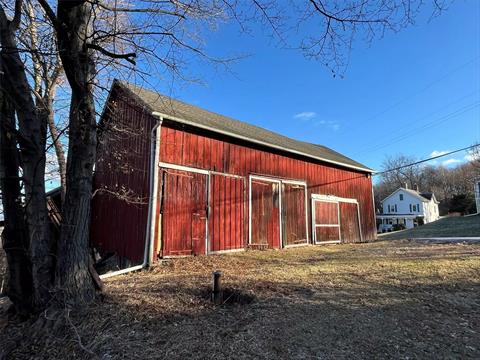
428, 86
407, 127
431, 114
425, 160
414, 131
414, 94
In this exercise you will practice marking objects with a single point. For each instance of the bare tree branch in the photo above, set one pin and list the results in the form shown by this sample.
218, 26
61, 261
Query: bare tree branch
49, 12
150, 10
17, 16
128, 56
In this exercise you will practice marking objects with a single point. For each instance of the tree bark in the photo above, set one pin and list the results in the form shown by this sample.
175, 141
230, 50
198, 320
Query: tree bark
32, 140
15, 235
73, 278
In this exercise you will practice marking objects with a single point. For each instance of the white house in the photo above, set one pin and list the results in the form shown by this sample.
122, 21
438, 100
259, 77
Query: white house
408, 207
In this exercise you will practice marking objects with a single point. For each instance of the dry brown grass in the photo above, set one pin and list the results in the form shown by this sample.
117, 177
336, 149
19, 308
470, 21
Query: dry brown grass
397, 299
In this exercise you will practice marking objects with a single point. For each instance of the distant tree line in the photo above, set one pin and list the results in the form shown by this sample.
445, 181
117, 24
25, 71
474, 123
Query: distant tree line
453, 186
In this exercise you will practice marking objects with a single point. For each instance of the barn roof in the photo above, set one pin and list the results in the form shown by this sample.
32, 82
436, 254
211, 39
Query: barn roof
181, 112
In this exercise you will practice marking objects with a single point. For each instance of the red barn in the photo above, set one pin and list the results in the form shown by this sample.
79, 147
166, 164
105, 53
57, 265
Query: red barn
172, 179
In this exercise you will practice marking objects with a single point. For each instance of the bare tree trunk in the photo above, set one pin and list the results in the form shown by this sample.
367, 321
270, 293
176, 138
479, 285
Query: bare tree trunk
31, 139
15, 235
74, 279
45, 73
62, 163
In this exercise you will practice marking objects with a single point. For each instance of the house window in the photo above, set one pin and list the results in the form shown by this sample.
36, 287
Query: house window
401, 197
388, 208
414, 207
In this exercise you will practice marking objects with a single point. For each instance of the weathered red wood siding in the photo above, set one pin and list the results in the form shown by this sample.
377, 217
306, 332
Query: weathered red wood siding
182, 145
326, 212
265, 214
327, 221
227, 222
349, 225
293, 209
121, 182
184, 205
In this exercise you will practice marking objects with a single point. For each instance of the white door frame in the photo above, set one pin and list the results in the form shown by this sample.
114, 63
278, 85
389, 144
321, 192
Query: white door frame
278, 181
315, 225
209, 209
338, 200
198, 171
266, 179
304, 184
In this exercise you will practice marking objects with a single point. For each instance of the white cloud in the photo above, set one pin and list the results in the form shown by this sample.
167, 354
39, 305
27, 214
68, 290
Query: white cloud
306, 115
331, 124
310, 116
439, 152
450, 162
472, 157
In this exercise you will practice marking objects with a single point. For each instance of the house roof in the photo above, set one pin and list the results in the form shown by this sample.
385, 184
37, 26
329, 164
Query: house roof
416, 193
424, 196
181, 112
427, 195
412, 192
430, 196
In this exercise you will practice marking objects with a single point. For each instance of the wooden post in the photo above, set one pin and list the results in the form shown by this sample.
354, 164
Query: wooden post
217, 292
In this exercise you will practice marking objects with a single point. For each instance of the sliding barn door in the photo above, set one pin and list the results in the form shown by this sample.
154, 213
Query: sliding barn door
350, 222
184, 207
326, 220
227, 213
265, 214
294, 224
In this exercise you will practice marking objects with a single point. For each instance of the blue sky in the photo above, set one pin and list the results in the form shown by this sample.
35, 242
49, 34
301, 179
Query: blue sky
416, 92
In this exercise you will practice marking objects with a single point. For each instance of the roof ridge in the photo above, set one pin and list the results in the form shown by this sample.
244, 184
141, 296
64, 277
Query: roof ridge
214, 112
210, 120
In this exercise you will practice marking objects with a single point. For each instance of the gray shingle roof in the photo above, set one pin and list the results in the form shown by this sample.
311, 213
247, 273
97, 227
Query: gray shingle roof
415, 193
426, 195
185, 113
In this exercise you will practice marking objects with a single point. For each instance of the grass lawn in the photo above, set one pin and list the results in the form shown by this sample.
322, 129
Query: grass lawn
468, 226
388, 299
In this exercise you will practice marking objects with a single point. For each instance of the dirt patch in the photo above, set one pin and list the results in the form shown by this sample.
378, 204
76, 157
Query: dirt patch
391, 299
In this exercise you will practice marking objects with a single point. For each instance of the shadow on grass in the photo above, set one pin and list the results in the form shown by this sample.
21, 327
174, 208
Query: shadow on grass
361, 318
350, 314
291, 321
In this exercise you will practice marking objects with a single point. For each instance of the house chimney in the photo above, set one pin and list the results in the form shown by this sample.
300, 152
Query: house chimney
406, 185
416, 187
